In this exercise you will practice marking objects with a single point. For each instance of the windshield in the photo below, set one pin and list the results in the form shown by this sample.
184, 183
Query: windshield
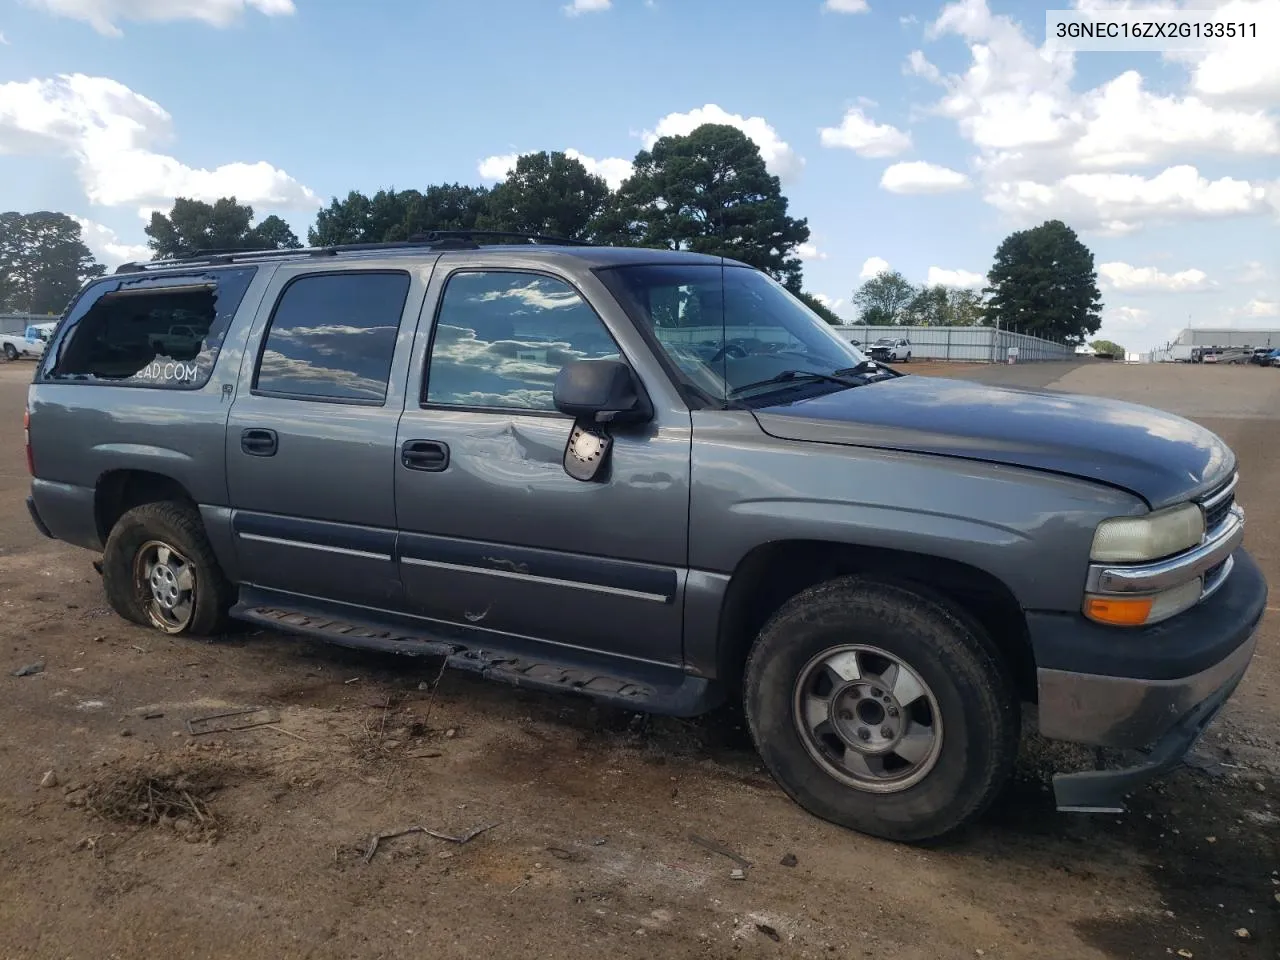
885, 342
731, 330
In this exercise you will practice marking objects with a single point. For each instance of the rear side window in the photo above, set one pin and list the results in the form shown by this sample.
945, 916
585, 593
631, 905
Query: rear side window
159, 332
332, 337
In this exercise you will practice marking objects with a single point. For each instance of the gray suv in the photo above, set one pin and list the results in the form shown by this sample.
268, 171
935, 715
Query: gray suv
656, 479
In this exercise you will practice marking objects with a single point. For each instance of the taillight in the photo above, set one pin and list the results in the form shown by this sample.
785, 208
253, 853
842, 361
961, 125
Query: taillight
26, 439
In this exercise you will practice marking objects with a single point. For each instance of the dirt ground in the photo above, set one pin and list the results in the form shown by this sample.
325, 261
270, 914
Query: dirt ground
152, 842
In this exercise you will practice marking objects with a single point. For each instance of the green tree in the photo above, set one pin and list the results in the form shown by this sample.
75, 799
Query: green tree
709, 192
193, 225
820, 308
548, 193
930, 307
1106, 346
968, 309
883, 300
391, 215
1043, 282
43, 262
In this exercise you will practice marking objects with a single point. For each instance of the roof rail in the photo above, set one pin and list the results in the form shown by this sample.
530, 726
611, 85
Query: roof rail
437, 239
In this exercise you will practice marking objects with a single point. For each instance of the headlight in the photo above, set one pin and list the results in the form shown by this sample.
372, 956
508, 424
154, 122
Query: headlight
1151, 537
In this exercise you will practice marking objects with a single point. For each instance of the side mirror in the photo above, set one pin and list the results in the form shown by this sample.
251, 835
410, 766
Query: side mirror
600, 391
596, 393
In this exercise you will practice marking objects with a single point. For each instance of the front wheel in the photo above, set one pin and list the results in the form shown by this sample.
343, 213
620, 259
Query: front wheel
159, 570
878, 709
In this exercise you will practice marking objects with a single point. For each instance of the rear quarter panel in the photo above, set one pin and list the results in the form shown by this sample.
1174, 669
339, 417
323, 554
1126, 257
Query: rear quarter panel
81, 431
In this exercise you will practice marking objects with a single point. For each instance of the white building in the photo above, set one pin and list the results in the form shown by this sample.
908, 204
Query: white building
1228, 337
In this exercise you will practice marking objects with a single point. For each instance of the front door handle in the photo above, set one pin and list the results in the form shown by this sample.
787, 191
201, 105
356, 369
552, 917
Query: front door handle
429, 455
259, 443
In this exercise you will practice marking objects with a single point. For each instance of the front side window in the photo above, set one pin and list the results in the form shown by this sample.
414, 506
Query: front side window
332, 337
501, 338
731, 332
161, 332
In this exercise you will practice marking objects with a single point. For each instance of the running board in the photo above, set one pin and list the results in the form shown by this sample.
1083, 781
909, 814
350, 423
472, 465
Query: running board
642, 687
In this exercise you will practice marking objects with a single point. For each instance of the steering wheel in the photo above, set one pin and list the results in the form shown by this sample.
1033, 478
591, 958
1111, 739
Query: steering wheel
728, 350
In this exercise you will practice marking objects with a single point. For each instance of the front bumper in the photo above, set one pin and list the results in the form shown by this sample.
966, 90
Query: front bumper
1153, 689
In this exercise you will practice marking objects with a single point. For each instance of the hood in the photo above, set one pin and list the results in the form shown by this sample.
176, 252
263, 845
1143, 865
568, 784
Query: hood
1160, 457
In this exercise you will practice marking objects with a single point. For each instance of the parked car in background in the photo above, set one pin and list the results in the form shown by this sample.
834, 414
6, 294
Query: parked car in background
1262, 356
528, 460
29, 343
891, 350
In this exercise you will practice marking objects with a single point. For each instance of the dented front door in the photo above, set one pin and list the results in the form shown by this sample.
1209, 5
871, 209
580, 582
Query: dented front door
495, 535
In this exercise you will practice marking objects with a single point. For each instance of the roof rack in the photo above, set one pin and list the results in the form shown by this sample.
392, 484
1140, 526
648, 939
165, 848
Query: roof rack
434, 239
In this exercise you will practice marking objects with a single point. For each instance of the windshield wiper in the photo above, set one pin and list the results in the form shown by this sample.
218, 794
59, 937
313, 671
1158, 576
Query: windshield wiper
797, 377
865, 366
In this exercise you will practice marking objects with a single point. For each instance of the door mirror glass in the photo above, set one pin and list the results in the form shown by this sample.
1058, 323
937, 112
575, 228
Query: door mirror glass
600, 391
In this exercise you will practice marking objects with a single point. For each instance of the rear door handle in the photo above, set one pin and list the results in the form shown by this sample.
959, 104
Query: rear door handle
259, 443
429, 455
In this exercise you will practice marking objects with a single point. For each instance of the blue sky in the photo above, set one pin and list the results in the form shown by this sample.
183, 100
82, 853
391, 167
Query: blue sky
913, 134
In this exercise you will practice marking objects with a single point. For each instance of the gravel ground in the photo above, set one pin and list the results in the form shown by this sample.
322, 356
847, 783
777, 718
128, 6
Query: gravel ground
149, 842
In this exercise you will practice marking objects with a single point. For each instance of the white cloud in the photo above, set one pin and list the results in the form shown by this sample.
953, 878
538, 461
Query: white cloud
579, 7
3, 41
1253, 271
955, 278
865, 137
1130, 279
807, 251
917, 176
103, 15
614, 170
1120, 203
778, 155
872, 266
1117, 321
106, 246
1038, 138
110, 131
846, 6
497, 167
1127, 126
1238, 71
919, 65
1262, 308
828, 302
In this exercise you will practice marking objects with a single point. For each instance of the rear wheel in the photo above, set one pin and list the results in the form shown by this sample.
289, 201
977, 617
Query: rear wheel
10, 352
876, 708
159, 570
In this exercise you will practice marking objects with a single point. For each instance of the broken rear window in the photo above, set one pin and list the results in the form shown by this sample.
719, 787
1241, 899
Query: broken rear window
161, 332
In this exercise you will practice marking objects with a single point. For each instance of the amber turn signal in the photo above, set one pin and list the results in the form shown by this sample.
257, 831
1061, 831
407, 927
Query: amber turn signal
1119, 611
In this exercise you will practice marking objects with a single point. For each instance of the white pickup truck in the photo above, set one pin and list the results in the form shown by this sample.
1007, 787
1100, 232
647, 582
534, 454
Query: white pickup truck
29, 343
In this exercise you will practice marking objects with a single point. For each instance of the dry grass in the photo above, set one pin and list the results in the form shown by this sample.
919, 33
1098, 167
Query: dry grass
168, 795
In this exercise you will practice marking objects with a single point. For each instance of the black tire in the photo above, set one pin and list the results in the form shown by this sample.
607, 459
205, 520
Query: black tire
10, 352
908, 360
178, 526
974, 695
